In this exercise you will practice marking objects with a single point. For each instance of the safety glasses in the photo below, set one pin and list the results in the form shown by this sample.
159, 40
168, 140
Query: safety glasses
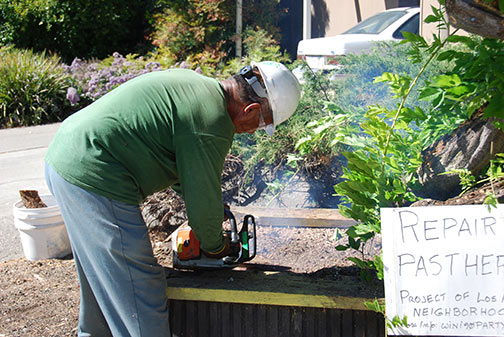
256, 83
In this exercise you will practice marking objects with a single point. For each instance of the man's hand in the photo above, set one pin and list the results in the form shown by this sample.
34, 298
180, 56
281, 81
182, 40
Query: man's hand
228, 208
225, 251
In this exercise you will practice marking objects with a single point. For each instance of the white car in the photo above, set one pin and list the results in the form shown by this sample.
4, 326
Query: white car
322, 53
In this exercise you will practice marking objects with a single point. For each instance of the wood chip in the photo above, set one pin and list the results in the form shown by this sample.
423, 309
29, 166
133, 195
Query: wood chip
31, 199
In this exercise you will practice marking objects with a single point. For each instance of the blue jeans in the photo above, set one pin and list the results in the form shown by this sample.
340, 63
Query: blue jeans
123, 288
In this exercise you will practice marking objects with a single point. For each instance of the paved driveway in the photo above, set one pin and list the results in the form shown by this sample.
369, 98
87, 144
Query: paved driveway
22, 152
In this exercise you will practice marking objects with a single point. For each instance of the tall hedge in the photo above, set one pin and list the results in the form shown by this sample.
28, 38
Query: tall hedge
76, 28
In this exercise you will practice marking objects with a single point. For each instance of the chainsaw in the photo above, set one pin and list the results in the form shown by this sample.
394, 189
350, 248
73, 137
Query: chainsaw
187, 253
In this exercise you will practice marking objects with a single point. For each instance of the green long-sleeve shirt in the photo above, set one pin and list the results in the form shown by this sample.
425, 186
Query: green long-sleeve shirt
154, 131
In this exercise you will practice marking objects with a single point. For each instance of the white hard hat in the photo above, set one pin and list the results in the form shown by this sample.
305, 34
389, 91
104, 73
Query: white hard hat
282, 89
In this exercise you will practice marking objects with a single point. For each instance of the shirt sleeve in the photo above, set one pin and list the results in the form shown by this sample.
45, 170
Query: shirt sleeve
200, 160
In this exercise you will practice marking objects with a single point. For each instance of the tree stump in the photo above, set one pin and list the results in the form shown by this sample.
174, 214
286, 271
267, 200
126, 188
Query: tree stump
476, 17
467, 147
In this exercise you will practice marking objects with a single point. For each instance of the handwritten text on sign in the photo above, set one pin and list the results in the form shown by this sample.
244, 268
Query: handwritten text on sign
444, 269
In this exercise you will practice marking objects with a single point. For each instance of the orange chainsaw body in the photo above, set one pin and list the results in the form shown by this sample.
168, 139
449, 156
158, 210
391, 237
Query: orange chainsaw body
188, 247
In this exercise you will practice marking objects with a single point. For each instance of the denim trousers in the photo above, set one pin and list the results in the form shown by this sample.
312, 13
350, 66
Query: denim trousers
122, 287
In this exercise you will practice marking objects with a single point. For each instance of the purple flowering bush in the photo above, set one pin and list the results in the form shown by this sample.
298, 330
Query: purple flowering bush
93, 79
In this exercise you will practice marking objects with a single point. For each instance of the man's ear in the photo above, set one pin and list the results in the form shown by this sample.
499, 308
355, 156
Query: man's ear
251, 107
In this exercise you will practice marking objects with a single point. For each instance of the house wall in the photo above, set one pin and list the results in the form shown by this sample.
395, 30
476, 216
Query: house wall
344, 14
428, 29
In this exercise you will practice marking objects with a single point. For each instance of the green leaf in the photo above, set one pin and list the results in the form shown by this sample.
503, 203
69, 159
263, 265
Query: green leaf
359, 263
459, 90
447, 55
374, 306
431, 19
378, 263
302, 141
444, 81
462, 39
495, 108
429, 93
292, 160
413, 115
414, 38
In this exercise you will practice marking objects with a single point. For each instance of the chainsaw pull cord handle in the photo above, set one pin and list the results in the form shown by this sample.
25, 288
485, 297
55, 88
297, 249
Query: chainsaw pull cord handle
234, 229
251, 237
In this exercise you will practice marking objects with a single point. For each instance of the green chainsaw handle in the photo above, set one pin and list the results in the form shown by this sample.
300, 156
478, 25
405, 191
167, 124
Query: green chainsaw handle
245, 239
248, 238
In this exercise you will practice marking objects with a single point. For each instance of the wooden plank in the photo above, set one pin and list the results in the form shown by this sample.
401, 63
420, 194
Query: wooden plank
359, 323
347, 323
309, 320
322, 324
268, 298
214, 319
334, 323
284, 321
262, 330
202, 318
371, 324
176, 325
271, 288
295, 217
248, 321
236, 319
296, 322
226, 319
191, 319
272, 320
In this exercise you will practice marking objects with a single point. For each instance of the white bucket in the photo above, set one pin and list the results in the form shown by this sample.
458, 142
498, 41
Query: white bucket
42, 230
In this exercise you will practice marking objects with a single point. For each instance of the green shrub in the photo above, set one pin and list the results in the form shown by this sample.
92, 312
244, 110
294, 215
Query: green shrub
92, 28
202, 33
258, 45
190, 27
356, 89
32, 88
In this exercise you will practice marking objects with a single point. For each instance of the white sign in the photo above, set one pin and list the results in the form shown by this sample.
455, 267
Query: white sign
444, 269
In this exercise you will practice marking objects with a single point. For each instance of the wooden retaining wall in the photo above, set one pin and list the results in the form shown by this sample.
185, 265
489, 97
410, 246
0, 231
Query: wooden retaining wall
251, 303
213, 319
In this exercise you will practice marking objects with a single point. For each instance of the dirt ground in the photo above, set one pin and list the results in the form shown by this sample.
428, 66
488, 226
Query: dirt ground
41, 298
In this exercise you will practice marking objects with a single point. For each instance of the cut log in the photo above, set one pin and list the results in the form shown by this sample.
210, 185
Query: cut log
31, 199
476, 17
467, 147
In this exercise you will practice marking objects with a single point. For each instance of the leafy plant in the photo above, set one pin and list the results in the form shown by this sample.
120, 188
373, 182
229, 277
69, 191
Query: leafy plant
384, 150
475, 79
384, 153
191, 27
258, 45
494, 173
85, 29
203, 33
32, 88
